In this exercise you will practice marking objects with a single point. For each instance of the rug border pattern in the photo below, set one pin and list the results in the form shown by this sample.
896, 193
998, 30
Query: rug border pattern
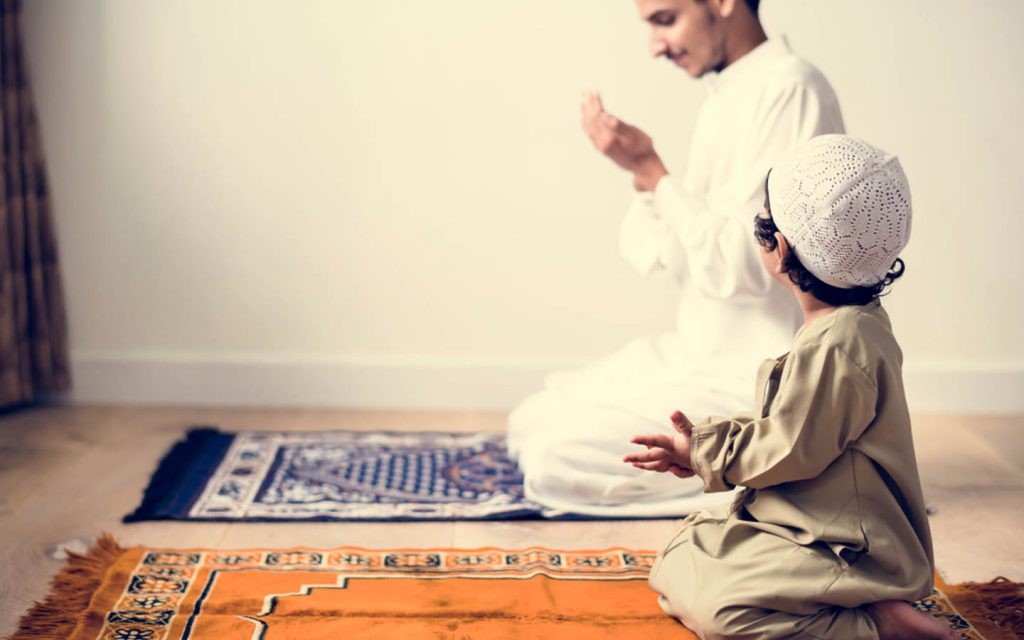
164, 581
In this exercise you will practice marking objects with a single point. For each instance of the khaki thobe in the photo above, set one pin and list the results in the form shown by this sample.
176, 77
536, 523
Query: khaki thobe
831, 517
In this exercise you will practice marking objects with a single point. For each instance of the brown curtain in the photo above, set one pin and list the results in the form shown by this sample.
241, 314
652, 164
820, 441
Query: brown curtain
33, 329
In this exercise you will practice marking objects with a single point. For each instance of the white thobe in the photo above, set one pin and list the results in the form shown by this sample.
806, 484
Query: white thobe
569, 439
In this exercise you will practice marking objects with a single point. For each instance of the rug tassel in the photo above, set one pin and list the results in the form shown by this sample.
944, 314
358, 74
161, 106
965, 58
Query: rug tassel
181, 475
999, 603
56, 617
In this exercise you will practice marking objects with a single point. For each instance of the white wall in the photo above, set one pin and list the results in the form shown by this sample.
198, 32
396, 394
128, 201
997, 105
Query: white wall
392, 204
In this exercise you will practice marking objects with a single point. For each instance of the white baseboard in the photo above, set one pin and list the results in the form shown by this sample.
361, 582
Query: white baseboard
436, 383
276, 381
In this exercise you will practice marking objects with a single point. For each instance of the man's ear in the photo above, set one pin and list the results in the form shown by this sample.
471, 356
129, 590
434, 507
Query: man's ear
781, 250
724, 8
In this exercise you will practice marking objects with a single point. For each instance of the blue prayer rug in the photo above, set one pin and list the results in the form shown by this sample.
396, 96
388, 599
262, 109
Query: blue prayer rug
336, 475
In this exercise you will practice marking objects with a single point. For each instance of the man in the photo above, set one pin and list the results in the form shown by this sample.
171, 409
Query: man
569, 439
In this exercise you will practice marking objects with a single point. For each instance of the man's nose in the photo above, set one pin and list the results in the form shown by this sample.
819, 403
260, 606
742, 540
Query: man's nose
658, 46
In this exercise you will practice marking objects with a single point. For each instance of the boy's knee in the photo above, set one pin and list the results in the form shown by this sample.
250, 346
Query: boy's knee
716, 618
689, 607
715, 624
737, 622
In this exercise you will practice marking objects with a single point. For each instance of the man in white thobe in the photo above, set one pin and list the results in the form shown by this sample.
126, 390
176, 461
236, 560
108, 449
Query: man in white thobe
569, 438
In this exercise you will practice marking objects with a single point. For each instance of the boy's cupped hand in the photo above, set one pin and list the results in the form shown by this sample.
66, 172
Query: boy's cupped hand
665, 452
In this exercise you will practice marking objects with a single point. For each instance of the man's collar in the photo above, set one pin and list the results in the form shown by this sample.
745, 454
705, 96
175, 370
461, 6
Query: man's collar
749, 64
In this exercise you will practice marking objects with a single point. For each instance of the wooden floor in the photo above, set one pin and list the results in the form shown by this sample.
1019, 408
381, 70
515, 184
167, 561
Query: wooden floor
71, 472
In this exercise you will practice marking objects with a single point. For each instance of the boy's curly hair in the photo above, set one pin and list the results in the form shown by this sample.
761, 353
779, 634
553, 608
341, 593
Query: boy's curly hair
764, 232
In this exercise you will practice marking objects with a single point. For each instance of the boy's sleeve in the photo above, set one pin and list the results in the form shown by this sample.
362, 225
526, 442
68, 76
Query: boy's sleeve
825, 401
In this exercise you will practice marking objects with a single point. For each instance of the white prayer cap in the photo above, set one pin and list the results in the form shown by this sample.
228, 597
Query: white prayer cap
844, 207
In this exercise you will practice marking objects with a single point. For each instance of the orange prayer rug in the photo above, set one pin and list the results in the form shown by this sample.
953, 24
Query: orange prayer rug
350, 592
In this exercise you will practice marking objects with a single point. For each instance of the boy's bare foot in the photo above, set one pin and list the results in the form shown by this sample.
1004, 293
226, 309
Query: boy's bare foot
897, 620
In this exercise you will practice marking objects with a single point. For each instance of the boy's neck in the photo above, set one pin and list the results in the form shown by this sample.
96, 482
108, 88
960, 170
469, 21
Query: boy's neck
811, 306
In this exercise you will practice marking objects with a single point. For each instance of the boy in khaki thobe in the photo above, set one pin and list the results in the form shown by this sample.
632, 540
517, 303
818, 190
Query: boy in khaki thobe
829, 538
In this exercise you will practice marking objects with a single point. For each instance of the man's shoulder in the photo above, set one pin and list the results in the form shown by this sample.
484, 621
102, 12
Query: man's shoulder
790, 71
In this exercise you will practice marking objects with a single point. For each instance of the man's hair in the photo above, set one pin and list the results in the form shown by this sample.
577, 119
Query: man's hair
764, 232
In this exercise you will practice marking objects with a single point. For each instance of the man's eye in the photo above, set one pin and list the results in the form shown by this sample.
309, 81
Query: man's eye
663, 19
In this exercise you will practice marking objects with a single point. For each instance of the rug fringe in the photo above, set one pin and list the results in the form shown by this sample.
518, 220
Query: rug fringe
181, 475
71, 590
998, 604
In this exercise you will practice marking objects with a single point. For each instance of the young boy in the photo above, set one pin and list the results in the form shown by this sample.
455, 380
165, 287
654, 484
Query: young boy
829, 537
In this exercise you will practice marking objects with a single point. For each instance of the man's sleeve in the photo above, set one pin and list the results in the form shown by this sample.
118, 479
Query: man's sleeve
825, 402
646, 237
713, 234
